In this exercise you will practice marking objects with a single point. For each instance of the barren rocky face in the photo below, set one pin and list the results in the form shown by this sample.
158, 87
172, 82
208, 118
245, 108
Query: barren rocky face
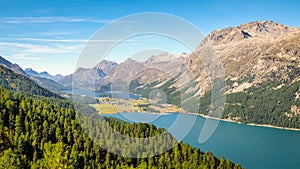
246, 55
252, 54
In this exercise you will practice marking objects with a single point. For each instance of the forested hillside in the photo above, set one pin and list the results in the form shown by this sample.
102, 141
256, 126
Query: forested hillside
263, 104
46, 134
17, 82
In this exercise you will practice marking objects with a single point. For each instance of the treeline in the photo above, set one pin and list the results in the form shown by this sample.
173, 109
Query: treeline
16, 82
43, 133
261, 105
172, 94
265, 105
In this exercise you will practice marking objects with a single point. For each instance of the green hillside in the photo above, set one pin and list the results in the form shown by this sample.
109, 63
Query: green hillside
262, 104
37, 133
17, 82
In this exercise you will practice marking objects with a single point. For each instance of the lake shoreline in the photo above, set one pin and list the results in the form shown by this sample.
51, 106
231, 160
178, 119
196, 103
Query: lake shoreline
249, 124
225, 120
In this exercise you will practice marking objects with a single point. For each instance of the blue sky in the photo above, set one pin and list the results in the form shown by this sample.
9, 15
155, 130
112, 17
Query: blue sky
49, 35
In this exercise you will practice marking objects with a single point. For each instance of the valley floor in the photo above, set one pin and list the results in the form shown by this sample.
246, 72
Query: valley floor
116, 105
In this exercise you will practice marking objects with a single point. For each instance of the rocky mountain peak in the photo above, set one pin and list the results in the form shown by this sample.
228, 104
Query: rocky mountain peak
252, 53
129, 61
106, 66
28, 69
45, 73
259, 29
163, 57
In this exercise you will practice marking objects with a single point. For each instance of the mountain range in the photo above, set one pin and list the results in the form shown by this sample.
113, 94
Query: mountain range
251, 54
261, 66
257, 56
44, 74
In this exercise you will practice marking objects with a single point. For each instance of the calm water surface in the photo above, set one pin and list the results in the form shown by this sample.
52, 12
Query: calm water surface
252, 147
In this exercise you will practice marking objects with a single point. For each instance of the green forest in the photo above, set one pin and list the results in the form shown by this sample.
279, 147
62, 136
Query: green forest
45, 133
17, 82
39, 129
261, 105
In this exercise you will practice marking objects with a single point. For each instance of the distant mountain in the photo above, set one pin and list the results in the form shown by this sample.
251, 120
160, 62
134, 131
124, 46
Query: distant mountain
14, 67
44, 74
258, 56
124, 72
31, 72
261, 63
84, 77
33, 75
58, 77
87, 76
48, 83
106, 66
20, 83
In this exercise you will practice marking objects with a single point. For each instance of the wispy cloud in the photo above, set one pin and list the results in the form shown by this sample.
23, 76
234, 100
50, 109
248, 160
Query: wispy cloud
54, 34
58, 40
26, 56
17, 20
33, 49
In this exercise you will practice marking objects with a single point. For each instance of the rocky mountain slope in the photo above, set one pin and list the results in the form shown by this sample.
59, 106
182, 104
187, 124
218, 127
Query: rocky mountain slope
44, 74
261, 63
106, 66
21, 83
86, 77
259, 56
45, 82
14, 67
259, 60
253, 53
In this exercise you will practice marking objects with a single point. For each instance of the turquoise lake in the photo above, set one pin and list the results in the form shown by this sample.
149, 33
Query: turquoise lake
252, 147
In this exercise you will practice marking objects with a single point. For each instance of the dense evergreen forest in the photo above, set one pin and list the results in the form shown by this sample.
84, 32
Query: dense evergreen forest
261, 105
46, 133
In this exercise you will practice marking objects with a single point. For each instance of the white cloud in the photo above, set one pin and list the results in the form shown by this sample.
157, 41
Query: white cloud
17, 20
55, 34
59, 40
27, 57
22, 50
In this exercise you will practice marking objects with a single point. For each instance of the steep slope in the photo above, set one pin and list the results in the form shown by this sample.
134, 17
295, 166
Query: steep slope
17, 82
14, 67
44, 74
45, 80
121, 76
83, 77
86, 77
48, 83
268, 50
62, 141
31, 72
106, 66
258, 56
33, 75
261, 62
146, 71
